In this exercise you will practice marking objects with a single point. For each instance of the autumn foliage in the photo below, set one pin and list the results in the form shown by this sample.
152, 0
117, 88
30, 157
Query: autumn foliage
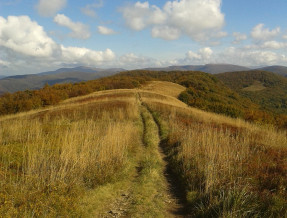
203, 91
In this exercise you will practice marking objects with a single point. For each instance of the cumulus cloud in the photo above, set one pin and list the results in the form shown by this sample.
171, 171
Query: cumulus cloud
249, 57
268, 45
76, 55
165, 32
274, 45
238, 37
89, 9
24, 36
50, 8
202, 56
262, 34
105, 30
233, 55
136, 15
4, 63
24, 43
198, 19
133, 61
79, 30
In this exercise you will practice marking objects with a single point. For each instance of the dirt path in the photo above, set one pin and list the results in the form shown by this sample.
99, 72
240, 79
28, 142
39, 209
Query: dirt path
174, 191
154, 191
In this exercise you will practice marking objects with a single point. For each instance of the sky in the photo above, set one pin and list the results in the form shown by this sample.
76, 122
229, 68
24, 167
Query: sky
42, 35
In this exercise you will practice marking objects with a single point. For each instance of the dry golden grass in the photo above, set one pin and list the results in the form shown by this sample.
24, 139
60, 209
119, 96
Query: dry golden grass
47, 157
164, 88
220, 159
163, 99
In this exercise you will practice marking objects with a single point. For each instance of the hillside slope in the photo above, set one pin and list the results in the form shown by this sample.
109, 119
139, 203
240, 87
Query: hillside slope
267, 89
135, 153
281, 70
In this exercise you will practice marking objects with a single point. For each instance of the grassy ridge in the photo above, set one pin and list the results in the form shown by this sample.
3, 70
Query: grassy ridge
77, 158
229, 168
49, 160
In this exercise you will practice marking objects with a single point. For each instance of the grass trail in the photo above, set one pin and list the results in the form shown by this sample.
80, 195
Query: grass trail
153, 191
146, 190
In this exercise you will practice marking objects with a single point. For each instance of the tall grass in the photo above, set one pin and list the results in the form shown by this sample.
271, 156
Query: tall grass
229, 168
48, 160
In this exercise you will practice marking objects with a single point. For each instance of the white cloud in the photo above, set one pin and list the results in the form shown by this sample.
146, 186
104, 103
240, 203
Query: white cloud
268, 45
24, 36
262, 34
202, 56
137, 15
238, 37
198, 19
105, 30
165, 32
273, 45
233, 55
133, 61
249, 57
24, 43
50, 8
4, 63
79, 30
89, 9
76, 55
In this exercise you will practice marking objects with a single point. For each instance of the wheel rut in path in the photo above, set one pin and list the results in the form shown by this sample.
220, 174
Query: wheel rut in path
154, 192
175, 192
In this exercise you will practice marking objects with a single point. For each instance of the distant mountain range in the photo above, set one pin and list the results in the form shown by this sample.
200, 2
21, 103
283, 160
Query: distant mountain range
222, 68
78, 74
208, 68
63, 75
281, 70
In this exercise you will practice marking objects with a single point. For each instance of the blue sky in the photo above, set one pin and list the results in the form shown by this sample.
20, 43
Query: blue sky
41, 35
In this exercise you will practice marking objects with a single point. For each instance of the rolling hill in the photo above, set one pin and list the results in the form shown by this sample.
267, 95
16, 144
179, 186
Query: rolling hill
203, 91
267, 89
78, 74
139, 153
281, 70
